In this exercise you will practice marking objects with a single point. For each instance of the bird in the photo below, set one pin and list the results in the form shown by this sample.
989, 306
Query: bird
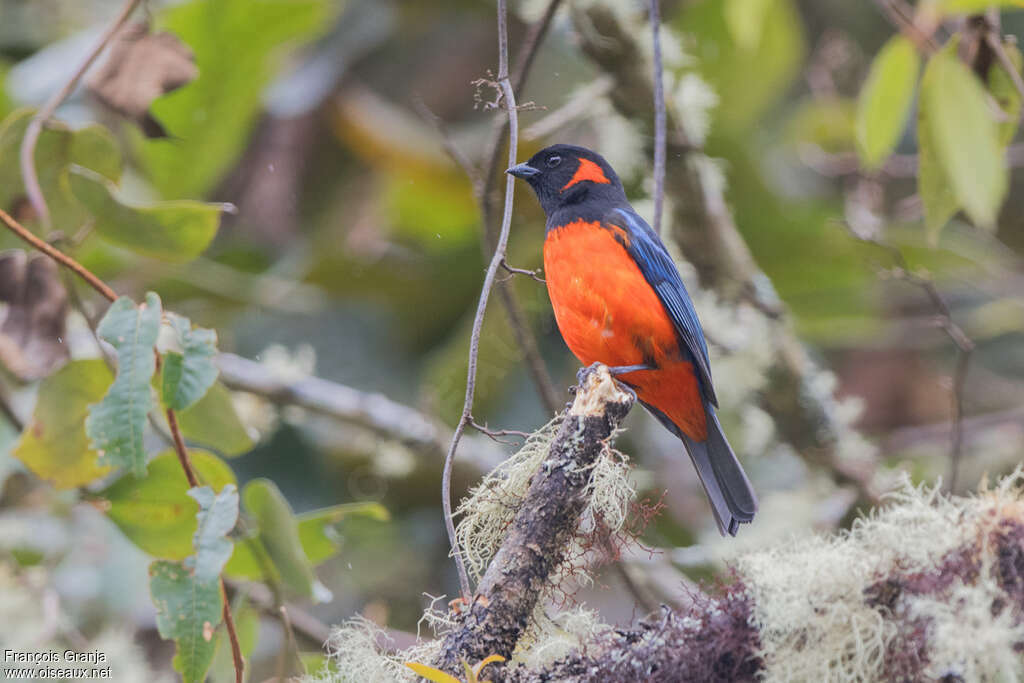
619, 300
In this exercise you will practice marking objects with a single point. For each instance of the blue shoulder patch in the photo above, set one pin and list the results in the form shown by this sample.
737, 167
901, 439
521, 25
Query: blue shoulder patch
661, 273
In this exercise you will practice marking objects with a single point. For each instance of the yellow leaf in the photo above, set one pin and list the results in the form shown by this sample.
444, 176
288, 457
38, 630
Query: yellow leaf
487, 660
432, 674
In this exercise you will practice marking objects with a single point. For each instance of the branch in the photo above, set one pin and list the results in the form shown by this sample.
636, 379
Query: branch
370, 410
35, 126
485, 198
539, 535
944, 319
58, 256
509, 100
179, 443
659, 117
889, 600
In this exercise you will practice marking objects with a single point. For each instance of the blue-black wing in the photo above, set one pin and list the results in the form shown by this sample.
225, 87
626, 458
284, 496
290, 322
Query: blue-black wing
660, 271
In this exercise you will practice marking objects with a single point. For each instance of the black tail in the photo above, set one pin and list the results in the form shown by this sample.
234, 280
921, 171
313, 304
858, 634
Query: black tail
732, 497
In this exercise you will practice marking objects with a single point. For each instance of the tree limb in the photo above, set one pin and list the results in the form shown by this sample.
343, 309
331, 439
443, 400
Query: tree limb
539, 535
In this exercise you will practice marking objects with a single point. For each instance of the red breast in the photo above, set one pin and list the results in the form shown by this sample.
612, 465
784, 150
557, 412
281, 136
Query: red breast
607, 312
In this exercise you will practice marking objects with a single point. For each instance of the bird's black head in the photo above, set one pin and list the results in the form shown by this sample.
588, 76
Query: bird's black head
565, 176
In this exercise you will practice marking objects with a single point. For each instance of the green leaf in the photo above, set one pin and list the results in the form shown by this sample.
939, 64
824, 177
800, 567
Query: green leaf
247, 625
959, 134
155, 512
218, 513
1001, 86
886, 99
58, 146
54, 444
171, 231
187, 611
776, 58
236, 45
116, 423
827, 123
213, 422
746, 21
974, 6
188, 375
279, 533
316, 529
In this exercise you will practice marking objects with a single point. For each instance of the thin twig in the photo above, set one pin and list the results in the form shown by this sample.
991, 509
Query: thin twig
172, 421
659, 117
902, 17
35, 126
944, 320
229, 624
535, 274
497, 433
492, 270
453, 151
193, 482
517, 318
179, 448
58, 256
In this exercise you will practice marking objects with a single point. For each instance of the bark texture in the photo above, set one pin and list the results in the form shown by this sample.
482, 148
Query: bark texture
540, 533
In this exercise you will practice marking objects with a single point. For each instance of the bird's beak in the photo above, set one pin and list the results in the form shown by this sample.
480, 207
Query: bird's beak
524, 171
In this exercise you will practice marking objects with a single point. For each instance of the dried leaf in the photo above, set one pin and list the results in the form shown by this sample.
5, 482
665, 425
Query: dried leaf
32, 335
141, 67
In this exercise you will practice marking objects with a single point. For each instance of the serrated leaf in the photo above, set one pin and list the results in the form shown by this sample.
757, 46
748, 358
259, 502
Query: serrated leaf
213, 422
54, 444
885, 100
188, 612
1001, 86
961, 136
218, 513
116, 424
188, 375
279, 534
155, 512
171, 231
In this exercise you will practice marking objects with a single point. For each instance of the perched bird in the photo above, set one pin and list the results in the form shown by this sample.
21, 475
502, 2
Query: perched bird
619, 300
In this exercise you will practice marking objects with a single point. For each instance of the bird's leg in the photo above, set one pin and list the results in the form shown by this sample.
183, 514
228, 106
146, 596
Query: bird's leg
624, 369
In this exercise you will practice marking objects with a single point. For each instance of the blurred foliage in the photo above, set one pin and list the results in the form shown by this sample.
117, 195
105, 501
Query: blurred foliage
350, 250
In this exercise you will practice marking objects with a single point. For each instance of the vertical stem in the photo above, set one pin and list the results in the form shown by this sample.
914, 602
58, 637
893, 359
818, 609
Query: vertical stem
509, 99
229, 624
659, 118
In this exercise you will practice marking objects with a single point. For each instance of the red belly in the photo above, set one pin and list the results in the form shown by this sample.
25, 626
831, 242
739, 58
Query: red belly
608, 313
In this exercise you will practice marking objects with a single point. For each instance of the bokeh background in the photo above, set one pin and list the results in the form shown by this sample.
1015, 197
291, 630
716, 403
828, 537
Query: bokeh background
355, 255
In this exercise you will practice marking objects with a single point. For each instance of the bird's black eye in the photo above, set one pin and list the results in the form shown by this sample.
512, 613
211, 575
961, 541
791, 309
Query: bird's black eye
554, 161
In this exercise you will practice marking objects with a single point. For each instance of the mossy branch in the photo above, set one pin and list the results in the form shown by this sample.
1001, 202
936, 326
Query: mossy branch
539, 535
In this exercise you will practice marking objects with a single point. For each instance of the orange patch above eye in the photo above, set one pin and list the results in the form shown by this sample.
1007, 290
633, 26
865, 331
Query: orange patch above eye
588, 170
